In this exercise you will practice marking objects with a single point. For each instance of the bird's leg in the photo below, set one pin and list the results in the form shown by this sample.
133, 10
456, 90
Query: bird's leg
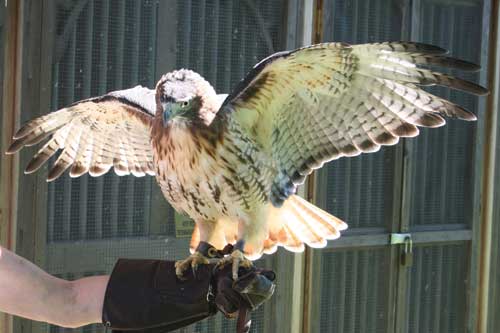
236, 258
210, 237
192, 262
204, 254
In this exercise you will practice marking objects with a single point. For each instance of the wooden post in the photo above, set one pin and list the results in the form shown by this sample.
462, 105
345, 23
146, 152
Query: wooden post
312, 34
10, 117
491, 119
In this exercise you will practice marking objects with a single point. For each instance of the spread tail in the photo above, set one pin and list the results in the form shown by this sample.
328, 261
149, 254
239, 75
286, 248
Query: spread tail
294, 224
302, 222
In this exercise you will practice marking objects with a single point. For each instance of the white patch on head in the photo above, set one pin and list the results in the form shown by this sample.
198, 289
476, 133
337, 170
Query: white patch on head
184, 85
181, 85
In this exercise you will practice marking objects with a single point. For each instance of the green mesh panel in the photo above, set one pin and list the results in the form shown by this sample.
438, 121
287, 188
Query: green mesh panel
359, 189
354, 284
443, 173
438, 289
223, 40
353, 294
100, 46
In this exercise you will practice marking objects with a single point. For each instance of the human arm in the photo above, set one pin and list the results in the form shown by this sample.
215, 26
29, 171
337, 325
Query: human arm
27, 291
138, 294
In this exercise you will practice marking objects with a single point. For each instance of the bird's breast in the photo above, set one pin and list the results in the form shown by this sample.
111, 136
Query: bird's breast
209, 179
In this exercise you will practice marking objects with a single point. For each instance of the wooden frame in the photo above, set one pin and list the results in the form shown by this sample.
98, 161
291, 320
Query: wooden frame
486, 259
25, 75
13, 37
490, 294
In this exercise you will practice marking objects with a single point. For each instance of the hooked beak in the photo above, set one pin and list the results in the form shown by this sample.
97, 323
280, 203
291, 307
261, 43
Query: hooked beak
167, 112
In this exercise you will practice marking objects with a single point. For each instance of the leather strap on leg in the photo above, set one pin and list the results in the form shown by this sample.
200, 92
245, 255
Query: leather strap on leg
211, 252
244, 322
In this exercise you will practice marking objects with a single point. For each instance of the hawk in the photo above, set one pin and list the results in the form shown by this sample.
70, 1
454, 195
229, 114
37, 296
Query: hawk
233, 163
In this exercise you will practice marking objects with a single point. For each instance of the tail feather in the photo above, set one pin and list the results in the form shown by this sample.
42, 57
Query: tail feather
270, 246
293, 243
294, 224
306, 223
328, 225
302, 228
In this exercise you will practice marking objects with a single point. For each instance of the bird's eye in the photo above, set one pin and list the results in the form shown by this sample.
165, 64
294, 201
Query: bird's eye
184, 104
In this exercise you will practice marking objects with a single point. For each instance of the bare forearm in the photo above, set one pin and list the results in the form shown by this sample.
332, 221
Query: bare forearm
28, 291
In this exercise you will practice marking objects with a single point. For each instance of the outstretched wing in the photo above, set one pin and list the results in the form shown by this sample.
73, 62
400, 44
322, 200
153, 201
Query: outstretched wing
318, 103
94, 135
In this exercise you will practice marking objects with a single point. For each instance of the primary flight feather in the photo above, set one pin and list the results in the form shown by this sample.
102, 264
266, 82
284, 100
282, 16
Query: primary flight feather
233, 163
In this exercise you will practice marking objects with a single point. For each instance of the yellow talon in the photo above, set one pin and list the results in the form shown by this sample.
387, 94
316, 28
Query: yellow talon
237, 259
192, 261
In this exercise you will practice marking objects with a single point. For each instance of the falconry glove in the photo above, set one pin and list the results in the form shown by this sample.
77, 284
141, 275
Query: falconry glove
239, 297
253, 287
146, 295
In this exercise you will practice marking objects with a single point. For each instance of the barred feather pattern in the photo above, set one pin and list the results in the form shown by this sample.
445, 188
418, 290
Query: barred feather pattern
94, 135
319, 103
235, 168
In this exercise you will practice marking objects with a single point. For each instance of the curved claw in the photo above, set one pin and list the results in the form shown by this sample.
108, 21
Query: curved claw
237, 259
193, 261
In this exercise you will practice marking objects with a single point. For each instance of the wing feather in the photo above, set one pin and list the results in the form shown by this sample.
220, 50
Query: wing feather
318, 103
94, 135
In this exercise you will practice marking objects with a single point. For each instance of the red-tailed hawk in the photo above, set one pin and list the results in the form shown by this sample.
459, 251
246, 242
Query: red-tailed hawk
234, 166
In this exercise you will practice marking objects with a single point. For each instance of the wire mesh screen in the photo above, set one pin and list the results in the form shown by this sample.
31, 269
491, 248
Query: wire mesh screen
359, 189
443, 176
100, 46
354, 289
354, 285
438, 289
222, 40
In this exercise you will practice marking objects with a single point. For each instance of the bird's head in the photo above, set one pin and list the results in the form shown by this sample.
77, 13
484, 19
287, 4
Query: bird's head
184, 97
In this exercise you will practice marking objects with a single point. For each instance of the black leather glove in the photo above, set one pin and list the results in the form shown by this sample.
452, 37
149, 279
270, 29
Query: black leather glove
253, 287
146, 295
